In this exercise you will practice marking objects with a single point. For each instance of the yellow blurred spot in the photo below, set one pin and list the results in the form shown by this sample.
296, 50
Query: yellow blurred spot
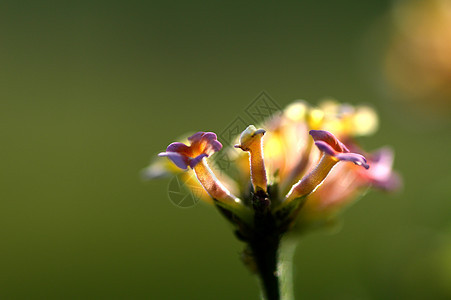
365, 121
335, 125
273, 146
330, 107
315, 118
418, 59
296, 111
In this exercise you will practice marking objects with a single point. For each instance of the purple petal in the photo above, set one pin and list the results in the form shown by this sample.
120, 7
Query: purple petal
193, 162
384, 155
209, 136
329, 138
382, 175
212, 141
392, 183
179, 160
330, 145
326, 148
320, 135
196, 137
177, 147
204, 143
382, 161
209, 139
216, 145
353, 157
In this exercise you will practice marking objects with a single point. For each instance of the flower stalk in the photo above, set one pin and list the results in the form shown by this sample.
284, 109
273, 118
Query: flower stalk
265, 249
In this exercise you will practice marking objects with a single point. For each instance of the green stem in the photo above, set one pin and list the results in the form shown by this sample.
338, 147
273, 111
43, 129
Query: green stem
273, 259
265, 256
264, 243
275, 268
285, 268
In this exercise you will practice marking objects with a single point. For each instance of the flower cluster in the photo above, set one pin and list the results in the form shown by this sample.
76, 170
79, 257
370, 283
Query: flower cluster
292, 165
297, 173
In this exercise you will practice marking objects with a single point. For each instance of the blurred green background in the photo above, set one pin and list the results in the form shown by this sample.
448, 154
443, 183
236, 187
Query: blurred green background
90, 91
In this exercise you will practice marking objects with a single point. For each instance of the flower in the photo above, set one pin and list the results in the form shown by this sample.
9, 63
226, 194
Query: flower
333, 151
331, 146
251, 140
344, 185
381, 175
202, 144
296, 173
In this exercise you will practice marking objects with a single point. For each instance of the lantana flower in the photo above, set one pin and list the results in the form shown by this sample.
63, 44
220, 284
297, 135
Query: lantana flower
297, 172
202, 145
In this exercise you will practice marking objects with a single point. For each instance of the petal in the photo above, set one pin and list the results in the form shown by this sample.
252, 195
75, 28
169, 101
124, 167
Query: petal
179, 148
323, 141
329, 138
212, 141
353, 157
194, 161
381, 174
391, 183
204, 142
382, 161
196, 137
326, 148
178, 159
